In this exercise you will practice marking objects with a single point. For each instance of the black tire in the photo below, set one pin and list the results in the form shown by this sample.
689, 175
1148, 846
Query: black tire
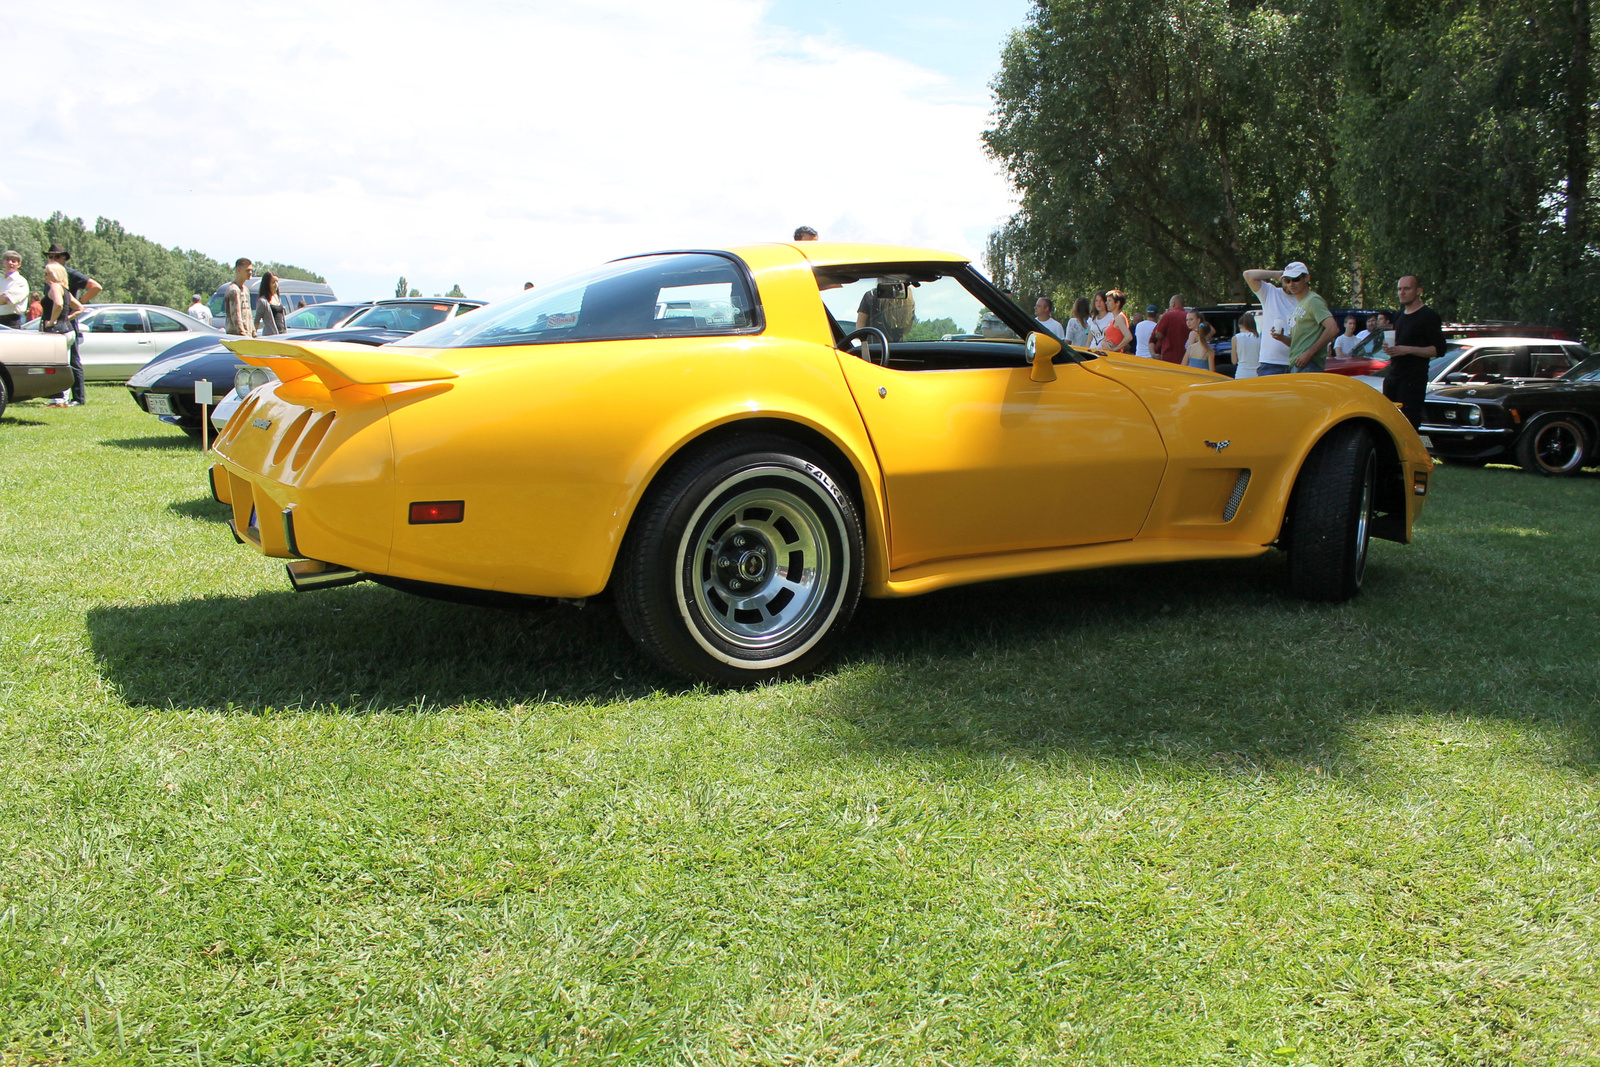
5, 397
743, 564
1553, 445
1330, 523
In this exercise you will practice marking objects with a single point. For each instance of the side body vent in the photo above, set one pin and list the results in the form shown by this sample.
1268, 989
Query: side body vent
1236, 496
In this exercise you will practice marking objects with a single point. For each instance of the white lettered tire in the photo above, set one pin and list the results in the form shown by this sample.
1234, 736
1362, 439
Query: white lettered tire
743, 564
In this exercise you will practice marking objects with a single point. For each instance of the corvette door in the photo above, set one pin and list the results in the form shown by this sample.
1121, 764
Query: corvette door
985, 460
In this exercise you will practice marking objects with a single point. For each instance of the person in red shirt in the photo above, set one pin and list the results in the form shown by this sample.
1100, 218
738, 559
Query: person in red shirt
1171, 332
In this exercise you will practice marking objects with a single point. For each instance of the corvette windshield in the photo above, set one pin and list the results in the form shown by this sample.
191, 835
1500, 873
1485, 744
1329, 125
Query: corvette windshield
648, 296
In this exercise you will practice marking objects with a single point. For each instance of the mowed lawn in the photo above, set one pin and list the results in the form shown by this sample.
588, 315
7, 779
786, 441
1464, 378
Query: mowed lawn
1163, 815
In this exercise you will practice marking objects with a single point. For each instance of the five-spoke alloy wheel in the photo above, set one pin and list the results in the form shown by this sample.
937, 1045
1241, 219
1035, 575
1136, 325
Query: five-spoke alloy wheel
1554, 445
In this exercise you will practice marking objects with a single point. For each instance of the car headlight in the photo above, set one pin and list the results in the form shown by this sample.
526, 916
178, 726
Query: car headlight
1474, 415
247, 379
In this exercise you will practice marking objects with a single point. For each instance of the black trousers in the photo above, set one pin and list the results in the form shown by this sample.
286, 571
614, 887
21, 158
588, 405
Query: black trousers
1407, 384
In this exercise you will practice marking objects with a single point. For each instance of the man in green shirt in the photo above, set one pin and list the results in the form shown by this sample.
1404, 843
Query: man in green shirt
1312, 327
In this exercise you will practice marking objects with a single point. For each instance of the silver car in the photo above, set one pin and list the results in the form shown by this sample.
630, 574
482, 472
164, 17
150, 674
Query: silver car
118, 339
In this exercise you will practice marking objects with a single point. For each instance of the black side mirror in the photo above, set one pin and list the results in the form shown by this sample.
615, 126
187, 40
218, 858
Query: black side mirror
1457, 377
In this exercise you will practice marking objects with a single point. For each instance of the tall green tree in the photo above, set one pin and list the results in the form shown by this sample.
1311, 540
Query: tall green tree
1468, 137
130, 268
1168, 145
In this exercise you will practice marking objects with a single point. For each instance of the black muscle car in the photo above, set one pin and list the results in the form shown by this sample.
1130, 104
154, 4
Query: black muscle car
1547, 426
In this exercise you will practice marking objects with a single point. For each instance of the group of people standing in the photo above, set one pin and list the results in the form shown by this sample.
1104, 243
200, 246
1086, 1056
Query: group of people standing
65, 292
1299, 332
1178, 336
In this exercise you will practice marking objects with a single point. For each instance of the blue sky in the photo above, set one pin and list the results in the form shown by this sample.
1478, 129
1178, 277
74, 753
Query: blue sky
513, 140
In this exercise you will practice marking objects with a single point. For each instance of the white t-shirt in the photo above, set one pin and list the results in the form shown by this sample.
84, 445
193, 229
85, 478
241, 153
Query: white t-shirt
1345, 343
1053, 326
1097, 329
199, 311
1277, 313
1141, 338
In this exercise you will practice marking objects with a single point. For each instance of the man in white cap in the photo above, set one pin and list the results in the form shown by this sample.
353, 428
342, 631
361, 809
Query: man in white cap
1298, 324
197, 310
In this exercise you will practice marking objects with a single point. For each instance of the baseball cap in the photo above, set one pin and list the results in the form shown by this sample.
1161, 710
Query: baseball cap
1296, 269
1150, 309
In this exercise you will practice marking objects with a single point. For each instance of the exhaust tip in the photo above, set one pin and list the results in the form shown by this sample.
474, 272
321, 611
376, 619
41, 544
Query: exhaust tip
307, 575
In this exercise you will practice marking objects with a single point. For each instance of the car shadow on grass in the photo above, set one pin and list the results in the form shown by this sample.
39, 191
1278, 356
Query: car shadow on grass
363, 648
1214, 663
1208, 662
12, 420
202, 507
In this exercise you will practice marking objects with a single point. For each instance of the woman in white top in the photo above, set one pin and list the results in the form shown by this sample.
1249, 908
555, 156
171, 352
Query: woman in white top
1246, 347
269, 309
1078, 325
1102, 318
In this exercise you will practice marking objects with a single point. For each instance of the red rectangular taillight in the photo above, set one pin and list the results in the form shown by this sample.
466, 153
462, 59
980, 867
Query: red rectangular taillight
431, 511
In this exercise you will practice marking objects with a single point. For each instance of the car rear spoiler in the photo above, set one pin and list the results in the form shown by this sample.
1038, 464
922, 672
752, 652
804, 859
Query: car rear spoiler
339, 364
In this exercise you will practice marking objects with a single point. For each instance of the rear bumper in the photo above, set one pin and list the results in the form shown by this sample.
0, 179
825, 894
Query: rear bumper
33, 380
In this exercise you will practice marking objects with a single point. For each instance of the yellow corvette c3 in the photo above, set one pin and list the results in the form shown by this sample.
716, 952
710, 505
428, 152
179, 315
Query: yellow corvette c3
739, 444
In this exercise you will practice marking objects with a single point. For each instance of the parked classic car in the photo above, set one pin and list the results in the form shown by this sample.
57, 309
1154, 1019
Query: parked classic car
165, 388
118, 339
695, 431
1548, 426
32, 365
1493, 359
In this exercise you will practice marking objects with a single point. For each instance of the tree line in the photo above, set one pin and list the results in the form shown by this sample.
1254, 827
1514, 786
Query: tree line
1167, 145
132, 269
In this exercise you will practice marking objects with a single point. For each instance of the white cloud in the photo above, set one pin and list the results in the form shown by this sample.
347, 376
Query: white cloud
487, 142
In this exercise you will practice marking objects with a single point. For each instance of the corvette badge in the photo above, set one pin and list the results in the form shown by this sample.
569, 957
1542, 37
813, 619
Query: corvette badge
1218, 446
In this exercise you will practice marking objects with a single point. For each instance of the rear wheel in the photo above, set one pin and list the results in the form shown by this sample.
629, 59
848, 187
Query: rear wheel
744, 565
4, 396
1554, 445
1330, 524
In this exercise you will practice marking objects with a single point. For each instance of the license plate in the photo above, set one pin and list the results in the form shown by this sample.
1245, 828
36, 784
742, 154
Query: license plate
1427, 442
158, 403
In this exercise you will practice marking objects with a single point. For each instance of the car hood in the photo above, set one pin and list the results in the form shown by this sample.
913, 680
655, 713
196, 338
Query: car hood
1501, 391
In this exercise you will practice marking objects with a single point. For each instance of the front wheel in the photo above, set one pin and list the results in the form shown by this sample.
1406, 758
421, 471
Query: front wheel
1554, 445
744, 565
1330, 523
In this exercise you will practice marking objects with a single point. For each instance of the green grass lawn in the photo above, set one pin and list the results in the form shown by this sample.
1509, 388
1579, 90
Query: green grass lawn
1164, 815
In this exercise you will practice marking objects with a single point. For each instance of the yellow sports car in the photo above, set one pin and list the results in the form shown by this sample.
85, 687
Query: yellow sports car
739, 444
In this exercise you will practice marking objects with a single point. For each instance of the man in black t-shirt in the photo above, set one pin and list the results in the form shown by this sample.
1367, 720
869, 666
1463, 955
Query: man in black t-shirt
1418, 338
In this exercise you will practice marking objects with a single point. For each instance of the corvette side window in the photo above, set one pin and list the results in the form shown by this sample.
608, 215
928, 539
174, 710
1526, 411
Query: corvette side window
691, 293
930, 318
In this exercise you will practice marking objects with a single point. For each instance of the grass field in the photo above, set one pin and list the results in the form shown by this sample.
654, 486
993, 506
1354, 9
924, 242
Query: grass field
1164, 815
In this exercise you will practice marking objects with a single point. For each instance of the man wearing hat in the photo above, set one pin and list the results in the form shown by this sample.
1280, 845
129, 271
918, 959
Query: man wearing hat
198, 310
84, 289
1142, 332
1298, 324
